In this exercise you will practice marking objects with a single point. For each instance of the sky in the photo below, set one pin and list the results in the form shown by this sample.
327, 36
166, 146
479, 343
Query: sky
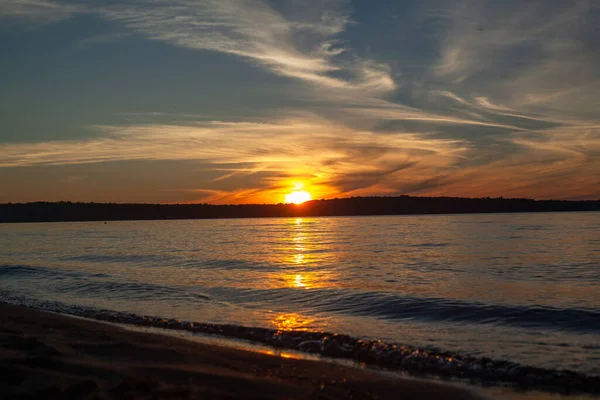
243, 101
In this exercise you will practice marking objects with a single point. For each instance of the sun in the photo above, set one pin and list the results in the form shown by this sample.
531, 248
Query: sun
298, 197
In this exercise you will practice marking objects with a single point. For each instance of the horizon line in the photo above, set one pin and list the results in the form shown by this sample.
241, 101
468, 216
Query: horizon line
298, 205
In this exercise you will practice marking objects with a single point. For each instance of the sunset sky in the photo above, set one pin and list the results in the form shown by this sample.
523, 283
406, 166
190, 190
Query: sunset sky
234, 101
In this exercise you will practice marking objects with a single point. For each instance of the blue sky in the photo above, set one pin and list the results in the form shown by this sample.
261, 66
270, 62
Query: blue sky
234, 101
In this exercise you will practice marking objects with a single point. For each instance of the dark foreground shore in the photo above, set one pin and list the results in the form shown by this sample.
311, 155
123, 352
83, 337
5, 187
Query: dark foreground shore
50, 356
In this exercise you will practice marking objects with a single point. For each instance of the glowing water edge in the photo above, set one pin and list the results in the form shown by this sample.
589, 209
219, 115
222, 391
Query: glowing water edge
504, 298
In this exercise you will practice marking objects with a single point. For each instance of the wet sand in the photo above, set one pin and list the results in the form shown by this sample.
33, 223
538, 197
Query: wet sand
51, 356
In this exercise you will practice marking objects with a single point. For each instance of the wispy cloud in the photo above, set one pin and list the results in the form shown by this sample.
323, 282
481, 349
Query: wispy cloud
286, 141
532, 56
304, 47
294, 42
321, 153
36, 12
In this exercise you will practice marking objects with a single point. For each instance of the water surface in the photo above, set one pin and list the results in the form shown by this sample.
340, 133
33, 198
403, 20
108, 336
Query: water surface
521, 287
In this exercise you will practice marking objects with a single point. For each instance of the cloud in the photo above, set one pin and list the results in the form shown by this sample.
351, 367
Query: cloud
36, 12
324, 154
336, 160
285, 141
535, 56
303, 46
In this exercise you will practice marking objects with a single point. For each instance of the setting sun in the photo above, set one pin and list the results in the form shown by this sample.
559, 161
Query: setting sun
298, 197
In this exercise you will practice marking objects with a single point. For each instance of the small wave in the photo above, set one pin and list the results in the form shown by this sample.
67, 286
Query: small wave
100, 285
430, 245
392, 356
394, 307
346, 302
533, 228
130, 291
29, 271
231, 264
16, 270
129, 258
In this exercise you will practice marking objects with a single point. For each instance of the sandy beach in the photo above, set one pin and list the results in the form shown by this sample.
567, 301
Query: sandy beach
46, 355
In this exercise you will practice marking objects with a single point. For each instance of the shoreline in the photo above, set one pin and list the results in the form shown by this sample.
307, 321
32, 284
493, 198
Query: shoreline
390, 358
105, 221
350, 207
49, 355
345, 350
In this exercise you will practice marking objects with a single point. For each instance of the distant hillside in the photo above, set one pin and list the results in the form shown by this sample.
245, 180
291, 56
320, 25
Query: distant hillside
67, 211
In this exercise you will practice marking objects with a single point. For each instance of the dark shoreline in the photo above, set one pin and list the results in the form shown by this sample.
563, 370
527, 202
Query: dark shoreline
50, 356
354, 206
405, 359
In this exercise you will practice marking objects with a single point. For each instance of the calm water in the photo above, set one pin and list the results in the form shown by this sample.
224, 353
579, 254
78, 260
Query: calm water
522, 287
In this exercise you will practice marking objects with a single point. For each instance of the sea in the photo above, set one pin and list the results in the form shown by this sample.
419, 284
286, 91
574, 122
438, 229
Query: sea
520, 289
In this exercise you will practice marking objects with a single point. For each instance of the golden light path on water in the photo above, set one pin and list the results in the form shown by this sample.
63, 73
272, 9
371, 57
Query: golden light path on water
301, 258
291, 322
302, 270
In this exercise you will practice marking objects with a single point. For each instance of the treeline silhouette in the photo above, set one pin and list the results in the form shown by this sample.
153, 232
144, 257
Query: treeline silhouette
68, 211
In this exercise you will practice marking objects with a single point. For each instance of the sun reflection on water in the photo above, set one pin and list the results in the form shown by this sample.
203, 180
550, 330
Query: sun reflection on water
303, 258
299, 281
299, 258
292, 322
279, 353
